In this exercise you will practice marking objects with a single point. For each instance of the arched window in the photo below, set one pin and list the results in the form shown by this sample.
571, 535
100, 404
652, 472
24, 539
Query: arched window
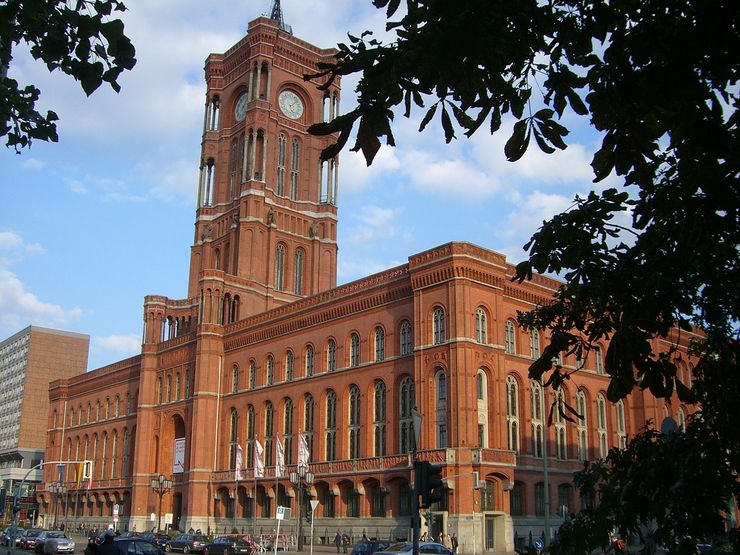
235, 379
270, 374
177, 386
482, 400
510, 341
187, 383
379, 418
406, 345
331, 356
354, 350
379, 344
331, 426
308, 425
114, 454
488, 496
309, 360
354, 422
481, 326
289, 366
252, 374
104, 456
250, 436
565, 500
582, 425
280, 179
407, 402
288, 431
295, 168
534, 344
599, 360
438, 325
440, 413
538, 409
280, 267
234, 168
681, 419
621, 425
512, 412
269, 433
601, 425
233, 437
561, 445
298, 272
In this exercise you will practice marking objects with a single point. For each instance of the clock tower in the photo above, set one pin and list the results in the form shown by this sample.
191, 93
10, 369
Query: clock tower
266, 221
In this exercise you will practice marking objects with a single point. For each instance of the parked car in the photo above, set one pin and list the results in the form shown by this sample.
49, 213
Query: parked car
160, 540
228, 545
404, 548
59, 544
187, 543
5, 536
138, 545
368, 547
28, 539
45, 536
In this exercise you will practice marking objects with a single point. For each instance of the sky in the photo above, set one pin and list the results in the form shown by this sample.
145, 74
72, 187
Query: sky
93, 223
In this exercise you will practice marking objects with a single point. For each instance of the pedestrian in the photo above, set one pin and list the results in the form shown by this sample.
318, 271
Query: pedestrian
447, 541
338, 541
345, 542
453, 541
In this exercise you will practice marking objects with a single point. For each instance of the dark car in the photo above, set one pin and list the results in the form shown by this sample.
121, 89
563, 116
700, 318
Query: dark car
228, 545
5, 536
137, 545
160, 540
45, 536
187, 543
405, 548
28, 539
368, 547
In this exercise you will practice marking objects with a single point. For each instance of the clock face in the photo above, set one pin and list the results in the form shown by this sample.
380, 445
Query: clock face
290, 104
240, 109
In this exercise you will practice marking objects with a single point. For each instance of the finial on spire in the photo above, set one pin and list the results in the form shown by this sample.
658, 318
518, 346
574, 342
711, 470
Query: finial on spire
276, 13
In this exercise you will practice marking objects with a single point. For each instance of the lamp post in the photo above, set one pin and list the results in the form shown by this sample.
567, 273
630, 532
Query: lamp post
58, 489
160, 486
301, 480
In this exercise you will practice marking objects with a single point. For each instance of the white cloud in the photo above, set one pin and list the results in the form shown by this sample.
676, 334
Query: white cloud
448, 177
12, 241
19, 307
355, 175
531, 210
374, 224
32, 163
118, 344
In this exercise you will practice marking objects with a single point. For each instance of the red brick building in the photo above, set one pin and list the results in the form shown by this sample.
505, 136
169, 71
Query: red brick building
266, 348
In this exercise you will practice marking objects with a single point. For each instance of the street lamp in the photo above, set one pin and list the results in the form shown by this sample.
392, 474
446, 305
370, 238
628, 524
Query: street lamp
58, 489
160, 486
301, 480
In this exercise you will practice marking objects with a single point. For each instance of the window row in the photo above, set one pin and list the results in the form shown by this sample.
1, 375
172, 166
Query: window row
322, 439
171, 388
289, 368
110, 453
100, 411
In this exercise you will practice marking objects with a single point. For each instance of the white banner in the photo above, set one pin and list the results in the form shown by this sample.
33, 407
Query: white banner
302, 451
238, 465
178, 461
279, 459
259, 464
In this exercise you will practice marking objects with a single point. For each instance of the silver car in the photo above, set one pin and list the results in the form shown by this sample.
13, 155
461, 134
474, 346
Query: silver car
57, 542
405, 548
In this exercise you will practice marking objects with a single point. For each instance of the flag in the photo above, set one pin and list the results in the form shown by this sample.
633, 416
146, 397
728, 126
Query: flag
279, 459
302, 451
80, 472
259, 465
238, 463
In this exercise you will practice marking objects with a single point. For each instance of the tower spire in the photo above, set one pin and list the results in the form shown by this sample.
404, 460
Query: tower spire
276, 13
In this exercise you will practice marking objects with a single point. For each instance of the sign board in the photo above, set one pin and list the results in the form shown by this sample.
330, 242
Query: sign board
168, 517
539, 544
314, 504
280, 514
116, 508
153, 517
178, 460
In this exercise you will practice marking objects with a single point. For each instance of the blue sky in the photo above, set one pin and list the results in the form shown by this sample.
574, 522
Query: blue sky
92, 224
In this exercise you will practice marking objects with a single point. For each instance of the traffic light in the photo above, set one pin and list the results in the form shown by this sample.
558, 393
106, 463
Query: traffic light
3, 493
428, 483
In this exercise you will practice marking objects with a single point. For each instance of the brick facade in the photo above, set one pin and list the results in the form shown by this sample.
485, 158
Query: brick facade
266, 348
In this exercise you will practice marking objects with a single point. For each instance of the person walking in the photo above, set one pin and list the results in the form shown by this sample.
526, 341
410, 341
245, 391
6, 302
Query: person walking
454, 543
338, 540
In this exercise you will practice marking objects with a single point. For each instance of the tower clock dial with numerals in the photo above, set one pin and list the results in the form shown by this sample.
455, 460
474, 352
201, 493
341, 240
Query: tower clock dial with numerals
290, 104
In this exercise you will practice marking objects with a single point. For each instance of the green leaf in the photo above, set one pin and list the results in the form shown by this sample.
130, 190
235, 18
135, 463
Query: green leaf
517, 144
